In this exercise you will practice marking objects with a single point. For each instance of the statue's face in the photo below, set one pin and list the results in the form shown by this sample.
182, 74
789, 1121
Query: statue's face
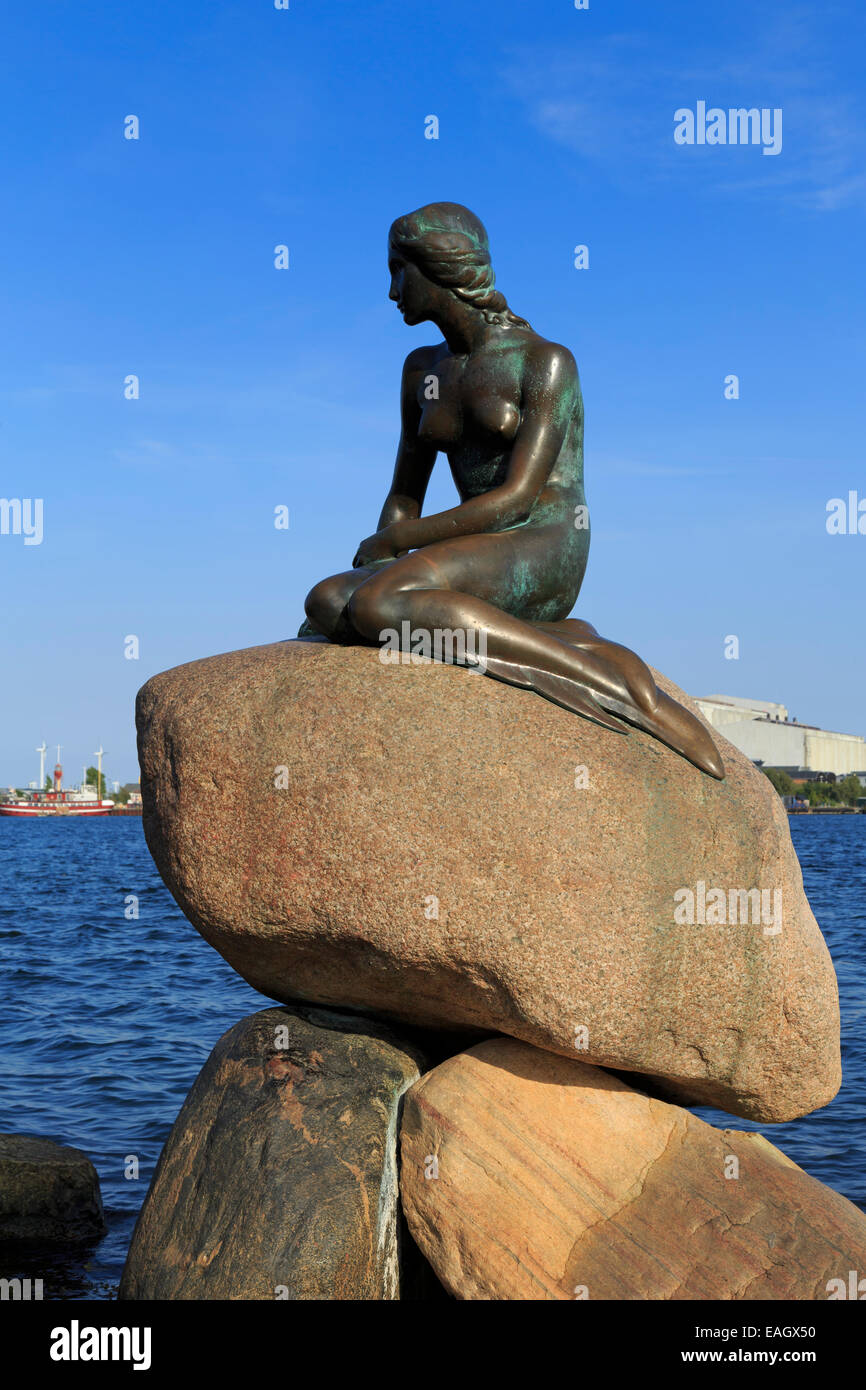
410, 289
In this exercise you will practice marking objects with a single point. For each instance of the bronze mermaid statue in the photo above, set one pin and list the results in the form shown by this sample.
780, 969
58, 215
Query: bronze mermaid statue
506, 564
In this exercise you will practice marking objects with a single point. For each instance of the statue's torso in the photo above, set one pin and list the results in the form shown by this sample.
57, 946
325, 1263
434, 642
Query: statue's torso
471, 411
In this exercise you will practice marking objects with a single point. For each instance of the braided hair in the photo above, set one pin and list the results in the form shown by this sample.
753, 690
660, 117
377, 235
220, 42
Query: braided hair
449, 244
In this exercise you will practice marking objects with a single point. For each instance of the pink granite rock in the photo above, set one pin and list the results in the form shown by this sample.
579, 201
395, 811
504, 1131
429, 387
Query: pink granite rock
443, 849
526, 1176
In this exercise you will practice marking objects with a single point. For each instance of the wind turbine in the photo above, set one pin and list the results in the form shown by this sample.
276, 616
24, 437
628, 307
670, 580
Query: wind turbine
42, 751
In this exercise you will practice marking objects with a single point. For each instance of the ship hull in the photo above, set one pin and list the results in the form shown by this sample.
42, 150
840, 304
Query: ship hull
36, 812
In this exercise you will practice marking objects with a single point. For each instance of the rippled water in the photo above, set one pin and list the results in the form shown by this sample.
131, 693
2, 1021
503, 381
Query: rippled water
105, 1021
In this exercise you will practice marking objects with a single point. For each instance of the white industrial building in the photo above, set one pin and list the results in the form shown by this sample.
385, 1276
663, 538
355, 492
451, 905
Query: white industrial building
763, 731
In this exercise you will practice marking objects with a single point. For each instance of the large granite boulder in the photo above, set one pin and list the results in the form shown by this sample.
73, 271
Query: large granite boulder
49, 1193
526, 1176
279, 1178
448, 850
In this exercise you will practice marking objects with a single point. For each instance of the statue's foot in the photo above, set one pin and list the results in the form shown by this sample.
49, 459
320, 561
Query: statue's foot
673, 724
653, 711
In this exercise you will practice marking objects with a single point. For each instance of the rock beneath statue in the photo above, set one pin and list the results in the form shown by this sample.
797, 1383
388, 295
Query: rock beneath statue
526, 1176
451, 851
49, 1193
279, 1180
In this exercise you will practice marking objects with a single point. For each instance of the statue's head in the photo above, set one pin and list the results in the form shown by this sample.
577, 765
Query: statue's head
442, 249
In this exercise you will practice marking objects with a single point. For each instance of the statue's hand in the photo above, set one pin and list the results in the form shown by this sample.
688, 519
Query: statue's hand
383, 546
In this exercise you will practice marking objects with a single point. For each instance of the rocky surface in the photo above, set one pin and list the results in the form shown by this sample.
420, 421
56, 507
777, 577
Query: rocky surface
279, 1177
526, 1176
448, 850
49, 1193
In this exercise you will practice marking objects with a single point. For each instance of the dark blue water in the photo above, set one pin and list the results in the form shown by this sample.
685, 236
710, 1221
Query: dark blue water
105, 1021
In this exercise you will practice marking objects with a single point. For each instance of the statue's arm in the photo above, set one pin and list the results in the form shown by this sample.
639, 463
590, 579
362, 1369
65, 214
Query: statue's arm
415, 457
549, 392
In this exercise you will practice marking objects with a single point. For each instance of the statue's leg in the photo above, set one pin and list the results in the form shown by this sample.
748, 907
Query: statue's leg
325, 604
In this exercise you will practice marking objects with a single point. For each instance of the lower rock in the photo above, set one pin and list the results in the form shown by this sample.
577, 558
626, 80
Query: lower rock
279, 1177
49, 1193
529, 1176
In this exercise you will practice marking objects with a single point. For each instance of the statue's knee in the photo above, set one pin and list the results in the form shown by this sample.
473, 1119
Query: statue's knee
312, 603
366, 611
322, 605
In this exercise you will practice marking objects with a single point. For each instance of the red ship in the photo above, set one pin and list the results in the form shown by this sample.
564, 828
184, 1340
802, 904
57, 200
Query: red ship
78, 801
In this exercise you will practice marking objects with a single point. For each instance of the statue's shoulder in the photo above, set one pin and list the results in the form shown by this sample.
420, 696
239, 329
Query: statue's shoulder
553, 361
420, 359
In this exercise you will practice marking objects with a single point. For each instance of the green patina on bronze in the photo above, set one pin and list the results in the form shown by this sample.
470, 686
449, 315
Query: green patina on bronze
506, 564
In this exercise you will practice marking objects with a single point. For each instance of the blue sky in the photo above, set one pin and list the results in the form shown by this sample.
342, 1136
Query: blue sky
262, 387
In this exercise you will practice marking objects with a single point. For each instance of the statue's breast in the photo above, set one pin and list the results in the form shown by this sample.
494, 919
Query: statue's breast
495, 414
444, 421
